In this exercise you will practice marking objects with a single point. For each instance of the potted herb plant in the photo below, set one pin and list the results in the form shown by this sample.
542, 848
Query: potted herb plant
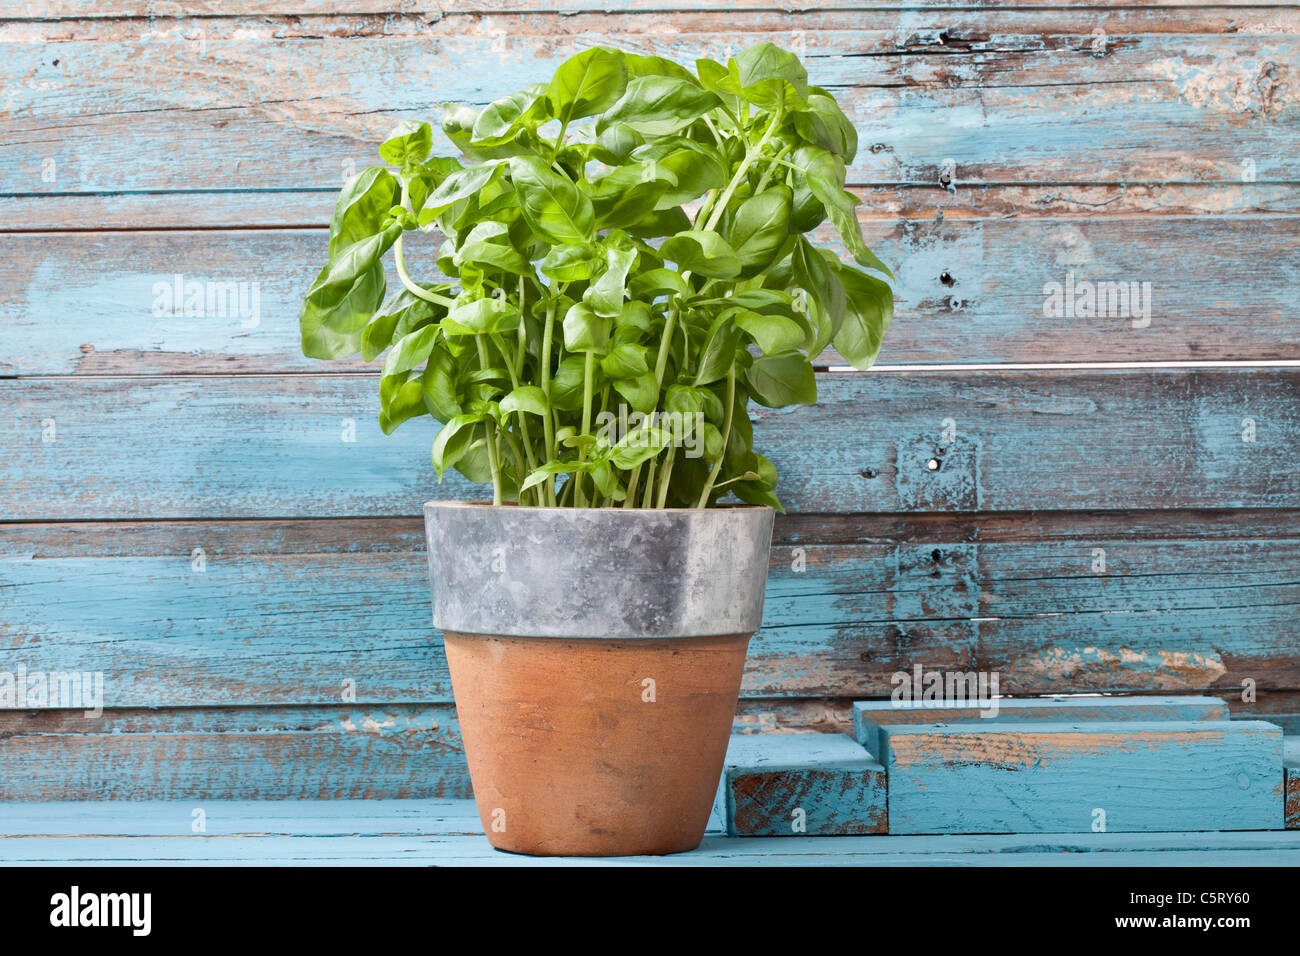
619, 265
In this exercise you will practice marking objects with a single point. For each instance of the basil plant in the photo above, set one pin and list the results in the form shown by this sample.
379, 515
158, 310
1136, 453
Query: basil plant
623, 267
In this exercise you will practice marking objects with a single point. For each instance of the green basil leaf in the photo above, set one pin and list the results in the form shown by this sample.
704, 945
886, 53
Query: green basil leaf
719, 351
606, 295
639, 445
453, 441
407, 145
824, 300
661, 222
763, 72
555, 208
616, 142
488, 244
587, 84
501, 120
438, 384
638, 65
783, 379
553, 468
331, 321
659, 105
402, 312
656, 282
824, 124
641, 393
760, 228
690, 168
362, 207
526, 398
869, 309
585, 330
481, 317
571, 263
625, 361
410, 351
400, 399
458, 186
567, 384
702, 252
771, 333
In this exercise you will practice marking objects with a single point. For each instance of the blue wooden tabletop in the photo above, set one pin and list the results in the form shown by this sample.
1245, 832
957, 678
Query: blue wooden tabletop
447, 832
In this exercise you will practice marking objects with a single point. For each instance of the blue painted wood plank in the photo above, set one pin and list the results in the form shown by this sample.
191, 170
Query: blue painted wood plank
871, 715
424, 832
807, 783
311, 446
207, 754
85, 303
1061, 777
982, 98
206, 613
1291, 768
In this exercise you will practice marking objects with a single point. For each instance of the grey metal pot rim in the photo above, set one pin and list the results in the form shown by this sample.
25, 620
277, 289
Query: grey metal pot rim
461, 503
599, 573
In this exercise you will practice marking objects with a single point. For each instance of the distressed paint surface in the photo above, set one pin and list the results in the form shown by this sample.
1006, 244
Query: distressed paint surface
979, 98
350, 599
1031, 776
972, 291
1291, 768
231, 683
311, 208
448, 833
869, 716
248, 446
332, 753
809, 783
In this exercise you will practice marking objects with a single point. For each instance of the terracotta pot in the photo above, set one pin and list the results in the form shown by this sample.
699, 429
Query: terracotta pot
596, 657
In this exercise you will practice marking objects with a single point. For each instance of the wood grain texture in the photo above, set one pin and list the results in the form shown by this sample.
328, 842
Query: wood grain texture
330, 753
808, 783
971, 291
870, 716
94, 9
448, 833
1009, 98
285, 611
1023, 777
282, 208
254, 447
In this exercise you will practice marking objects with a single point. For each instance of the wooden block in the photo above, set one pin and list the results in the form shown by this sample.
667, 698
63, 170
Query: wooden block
1057, 777
803, 784
870, 715
1291, 774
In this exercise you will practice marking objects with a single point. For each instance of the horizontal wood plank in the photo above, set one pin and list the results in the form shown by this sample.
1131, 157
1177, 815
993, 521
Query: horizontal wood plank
447, 833
108, 448
344, 751
282, 208
870, 716
808, 783
164, 9
1009, 101
250, 754
208, 613
1068, 777
969, 292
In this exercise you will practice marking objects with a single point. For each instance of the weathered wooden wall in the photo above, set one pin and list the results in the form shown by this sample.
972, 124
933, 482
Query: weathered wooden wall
1003, 148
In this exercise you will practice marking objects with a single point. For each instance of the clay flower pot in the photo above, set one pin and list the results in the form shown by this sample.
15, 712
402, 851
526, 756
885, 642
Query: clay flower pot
596, 656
